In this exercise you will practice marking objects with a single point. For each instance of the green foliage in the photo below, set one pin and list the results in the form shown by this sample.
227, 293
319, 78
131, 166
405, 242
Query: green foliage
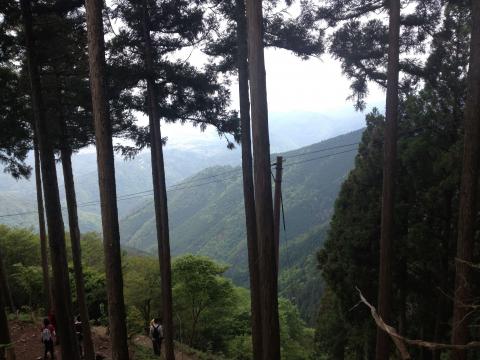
210, 222
426, 213
26, 285
204, 301
142, 288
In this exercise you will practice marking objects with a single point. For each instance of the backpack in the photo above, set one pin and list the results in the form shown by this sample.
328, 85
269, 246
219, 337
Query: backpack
46, 335
157, 332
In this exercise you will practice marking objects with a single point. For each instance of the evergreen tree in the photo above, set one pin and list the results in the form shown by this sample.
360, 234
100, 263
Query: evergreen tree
298, 35
63, 304
426, 206
174, 91
106, 173
468, 194
262, 182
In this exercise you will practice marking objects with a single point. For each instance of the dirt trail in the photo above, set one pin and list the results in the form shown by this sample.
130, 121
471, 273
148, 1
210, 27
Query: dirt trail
28, 345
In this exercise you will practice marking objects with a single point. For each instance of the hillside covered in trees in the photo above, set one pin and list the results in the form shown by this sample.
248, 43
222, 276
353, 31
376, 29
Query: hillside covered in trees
363, 246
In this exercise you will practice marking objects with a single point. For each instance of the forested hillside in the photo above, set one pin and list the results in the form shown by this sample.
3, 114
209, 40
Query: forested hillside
207, 214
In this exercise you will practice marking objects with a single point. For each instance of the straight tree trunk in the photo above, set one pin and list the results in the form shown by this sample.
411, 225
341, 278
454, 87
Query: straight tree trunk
388, 194
106, 180
160, 192
262, 182
41, 227
468, 194
6, 348
277, 203
56, 235
89, 352
247, 171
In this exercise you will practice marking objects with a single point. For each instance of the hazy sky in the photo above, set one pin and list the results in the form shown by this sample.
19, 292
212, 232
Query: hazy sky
294, 85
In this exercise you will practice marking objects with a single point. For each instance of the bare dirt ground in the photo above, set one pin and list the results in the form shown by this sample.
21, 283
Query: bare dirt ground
28, 345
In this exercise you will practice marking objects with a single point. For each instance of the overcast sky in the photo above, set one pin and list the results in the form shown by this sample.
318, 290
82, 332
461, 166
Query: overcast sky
295, 85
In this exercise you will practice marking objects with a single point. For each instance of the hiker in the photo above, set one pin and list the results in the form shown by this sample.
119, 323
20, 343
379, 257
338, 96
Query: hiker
79, 331
53, 322
156, 333
48, 335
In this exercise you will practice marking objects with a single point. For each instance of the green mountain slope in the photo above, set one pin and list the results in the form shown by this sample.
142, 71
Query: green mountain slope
207, 215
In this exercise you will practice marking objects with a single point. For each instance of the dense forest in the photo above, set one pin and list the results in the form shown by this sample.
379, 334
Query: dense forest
385, 270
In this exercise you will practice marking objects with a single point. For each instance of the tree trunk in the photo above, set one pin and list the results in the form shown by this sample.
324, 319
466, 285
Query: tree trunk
41, 227
56, 235
277, 204
160, 193
262, 182
389, 160
468, 194
6, 349
77, 251
106, 180
248, 190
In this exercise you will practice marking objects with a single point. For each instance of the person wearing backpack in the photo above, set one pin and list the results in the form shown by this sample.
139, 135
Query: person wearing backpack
48, 335
156, 334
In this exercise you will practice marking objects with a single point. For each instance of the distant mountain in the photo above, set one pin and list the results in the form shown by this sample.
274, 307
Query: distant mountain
132, 176
207, 214
187, 152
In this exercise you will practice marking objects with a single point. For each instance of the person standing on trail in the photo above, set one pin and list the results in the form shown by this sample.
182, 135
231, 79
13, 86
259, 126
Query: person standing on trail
156, 334
48, 335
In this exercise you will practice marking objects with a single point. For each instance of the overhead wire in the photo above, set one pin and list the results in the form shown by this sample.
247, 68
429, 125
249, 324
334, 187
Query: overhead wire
181, 186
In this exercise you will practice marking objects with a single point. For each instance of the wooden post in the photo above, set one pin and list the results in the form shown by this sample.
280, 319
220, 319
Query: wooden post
262, 182
277, 206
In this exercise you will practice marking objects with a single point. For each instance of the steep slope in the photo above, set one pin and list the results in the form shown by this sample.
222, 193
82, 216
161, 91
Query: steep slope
207, 215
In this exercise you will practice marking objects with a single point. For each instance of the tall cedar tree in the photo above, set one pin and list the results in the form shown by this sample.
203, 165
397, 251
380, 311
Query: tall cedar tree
106, 179
426, 210
174, 91
303, 38
247, 174
362, 62
63, 305
262, 182
66, 93
47, 288
388, 188
468, 195
159, 186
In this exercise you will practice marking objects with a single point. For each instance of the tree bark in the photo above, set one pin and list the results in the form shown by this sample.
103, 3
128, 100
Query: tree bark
77, 251
160, 192
56, 235
41, 227
106, 180
388, 195
468, 194
6, 349
262, 182
248, 189
277, 203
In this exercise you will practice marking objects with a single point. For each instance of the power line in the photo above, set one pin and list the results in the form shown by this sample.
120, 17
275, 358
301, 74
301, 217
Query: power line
321, 150
182, 187
319, 157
